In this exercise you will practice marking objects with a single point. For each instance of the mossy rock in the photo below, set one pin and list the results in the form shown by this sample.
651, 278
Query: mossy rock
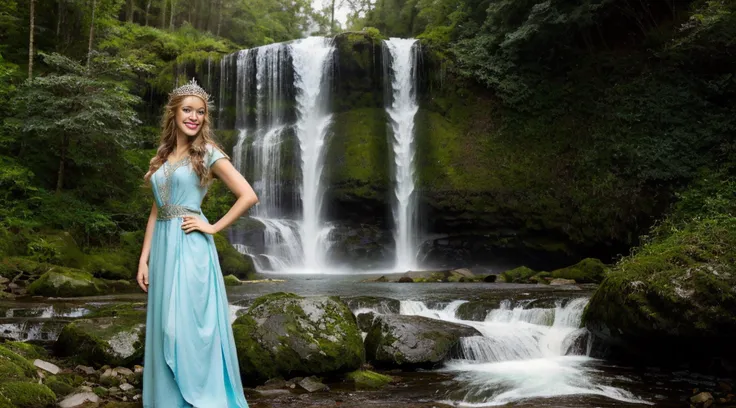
233, 262
672, 297
521, 274
589, 270
110, 336
113, 265
64, 383
285, 335
541, 277
66, 282
28, 395
27, 350
13, 366
232, 280
13, 266
368, 380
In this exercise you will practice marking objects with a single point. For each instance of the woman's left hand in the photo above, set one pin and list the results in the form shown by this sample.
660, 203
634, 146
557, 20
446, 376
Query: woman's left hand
197, 224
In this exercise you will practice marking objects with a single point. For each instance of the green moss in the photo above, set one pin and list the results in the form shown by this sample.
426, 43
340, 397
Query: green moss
358, 152
114, 265
100, 391
366, 379
66, 282
231, 280
541, 277
521, 274
233, 262
13, 266
28, 395
63, 384
27, 350
677, 289
589, 270
286, 335
16, 364
271, 297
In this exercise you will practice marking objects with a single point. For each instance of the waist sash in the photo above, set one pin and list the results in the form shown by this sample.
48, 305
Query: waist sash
168, 212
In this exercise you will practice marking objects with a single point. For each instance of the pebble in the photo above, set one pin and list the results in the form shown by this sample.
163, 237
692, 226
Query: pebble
86, 370
45, 365
76, 400
126, 387
123, 371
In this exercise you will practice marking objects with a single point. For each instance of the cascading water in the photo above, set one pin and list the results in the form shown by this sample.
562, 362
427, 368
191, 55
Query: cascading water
401, 109
281, 102
311, 57
523, 354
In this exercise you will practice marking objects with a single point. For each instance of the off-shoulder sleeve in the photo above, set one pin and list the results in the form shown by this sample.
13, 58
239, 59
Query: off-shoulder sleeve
214, 154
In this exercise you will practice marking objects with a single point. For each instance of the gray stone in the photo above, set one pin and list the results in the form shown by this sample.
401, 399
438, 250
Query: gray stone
45, 365
312, 384
126, 387
79, 399
86, 370
560, 282
397, 340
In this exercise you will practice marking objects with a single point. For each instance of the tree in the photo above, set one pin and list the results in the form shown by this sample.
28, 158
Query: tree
80, 117
30, 39
91, 33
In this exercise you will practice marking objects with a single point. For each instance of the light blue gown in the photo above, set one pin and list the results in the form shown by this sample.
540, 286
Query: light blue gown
190, 356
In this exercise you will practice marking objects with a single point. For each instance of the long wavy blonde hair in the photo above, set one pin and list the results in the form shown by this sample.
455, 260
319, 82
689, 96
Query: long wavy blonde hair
197, 146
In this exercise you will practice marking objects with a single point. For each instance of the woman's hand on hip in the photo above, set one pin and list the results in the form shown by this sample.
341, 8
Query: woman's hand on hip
197, 224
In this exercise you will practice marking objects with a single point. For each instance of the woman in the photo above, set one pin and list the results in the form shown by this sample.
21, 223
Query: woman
190, 357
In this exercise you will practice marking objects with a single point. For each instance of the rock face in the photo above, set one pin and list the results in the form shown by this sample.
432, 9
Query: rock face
113, 336
674, 297
287, 335
589, 270
397, 340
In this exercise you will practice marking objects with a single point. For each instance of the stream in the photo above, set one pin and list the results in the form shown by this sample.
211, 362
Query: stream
532, 352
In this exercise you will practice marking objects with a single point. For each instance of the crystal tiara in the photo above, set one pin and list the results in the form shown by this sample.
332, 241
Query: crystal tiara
191, 89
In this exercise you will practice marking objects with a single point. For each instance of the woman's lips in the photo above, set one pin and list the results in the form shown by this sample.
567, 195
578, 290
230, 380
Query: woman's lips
192, 126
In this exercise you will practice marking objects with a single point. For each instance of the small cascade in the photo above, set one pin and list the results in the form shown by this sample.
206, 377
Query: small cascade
522, 354
401, 109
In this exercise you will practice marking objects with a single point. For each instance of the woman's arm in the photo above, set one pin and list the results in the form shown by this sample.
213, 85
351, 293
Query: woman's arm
149, 235
235, 181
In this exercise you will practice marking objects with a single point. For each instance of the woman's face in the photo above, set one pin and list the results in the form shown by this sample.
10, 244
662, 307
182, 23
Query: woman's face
190, 115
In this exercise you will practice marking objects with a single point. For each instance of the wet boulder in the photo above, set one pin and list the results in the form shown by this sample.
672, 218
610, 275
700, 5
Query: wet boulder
378, 304
111, 336
397, 340
285, 335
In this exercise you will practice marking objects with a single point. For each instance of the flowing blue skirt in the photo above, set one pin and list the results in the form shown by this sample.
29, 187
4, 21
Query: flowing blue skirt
190, 357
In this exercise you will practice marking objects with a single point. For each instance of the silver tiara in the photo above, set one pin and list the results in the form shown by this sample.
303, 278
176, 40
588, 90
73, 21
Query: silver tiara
191, 89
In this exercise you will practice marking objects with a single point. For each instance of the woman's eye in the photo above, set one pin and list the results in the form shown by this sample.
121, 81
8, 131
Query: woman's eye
201, 112
185, 110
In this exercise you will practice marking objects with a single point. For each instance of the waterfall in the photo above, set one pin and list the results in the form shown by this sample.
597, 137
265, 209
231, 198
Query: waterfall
401, 109
311, 58
521, 354
281, 94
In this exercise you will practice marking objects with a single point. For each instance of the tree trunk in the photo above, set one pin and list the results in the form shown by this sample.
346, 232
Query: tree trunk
171, 19
148, 9
219, 17
131, 8
58, 19
62, 160
30, 39
91, 35
332, 18
163, 14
